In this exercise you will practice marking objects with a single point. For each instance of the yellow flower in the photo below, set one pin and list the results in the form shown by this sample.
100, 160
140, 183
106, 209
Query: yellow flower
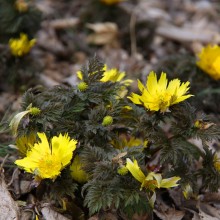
21, 46
152, 180
114, 75
126, 141
209, 61
25, 143
159, 95
111, 2
77, 172
47, 160
110, 75
21, 5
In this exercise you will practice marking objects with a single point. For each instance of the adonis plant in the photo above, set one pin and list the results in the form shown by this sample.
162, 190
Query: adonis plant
99, 147
19, 22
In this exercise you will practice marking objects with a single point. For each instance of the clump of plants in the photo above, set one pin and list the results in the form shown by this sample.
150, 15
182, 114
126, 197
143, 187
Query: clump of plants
19, 22
100, 149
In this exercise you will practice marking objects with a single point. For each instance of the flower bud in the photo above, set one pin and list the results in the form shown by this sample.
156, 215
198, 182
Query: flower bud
82, 86
107, 120
197, 124
123, 170
34, 111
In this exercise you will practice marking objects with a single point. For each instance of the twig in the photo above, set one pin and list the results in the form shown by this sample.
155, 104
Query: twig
3, 162
133, 34
13, 175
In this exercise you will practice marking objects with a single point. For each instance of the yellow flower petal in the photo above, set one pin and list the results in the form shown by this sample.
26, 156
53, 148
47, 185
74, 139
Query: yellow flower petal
152, 83
135, 170
140, 86
187, 191
170, 182
63, 147
79, 75
135, 98
162, 83
25, 143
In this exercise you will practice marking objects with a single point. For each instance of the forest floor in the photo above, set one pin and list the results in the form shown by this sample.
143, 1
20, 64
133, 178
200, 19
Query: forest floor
135, 37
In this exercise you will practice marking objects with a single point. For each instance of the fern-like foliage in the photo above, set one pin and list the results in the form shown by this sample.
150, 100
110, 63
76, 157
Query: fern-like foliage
210, 176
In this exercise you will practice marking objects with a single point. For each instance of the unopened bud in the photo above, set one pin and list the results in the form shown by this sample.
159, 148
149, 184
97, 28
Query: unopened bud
107, 120
82, 86
34, 111
122, 170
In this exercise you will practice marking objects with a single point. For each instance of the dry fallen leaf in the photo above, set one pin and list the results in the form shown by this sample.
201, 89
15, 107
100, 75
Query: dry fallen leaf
104, 34
8, 207
165, 212
205, 216
208, 212
188, 34
170, 214
49, 214
63, 23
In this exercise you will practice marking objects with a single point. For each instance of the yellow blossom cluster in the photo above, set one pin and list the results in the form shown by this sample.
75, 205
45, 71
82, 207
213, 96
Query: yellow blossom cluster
159, 95
110, 75
209, 61
21, 46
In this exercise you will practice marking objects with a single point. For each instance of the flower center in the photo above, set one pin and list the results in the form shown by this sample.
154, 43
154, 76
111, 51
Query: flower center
164, 101
150, 185
49, 167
